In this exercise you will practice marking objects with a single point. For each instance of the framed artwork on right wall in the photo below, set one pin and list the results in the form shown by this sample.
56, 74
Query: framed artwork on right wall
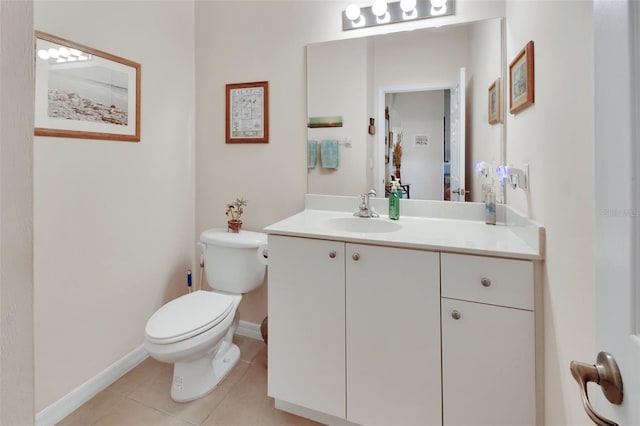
522, 80
495, 103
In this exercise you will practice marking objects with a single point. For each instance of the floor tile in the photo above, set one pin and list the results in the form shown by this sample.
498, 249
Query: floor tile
131, 413
144, 373
157, 394
142, 398
248, 403
248, 347
93, 410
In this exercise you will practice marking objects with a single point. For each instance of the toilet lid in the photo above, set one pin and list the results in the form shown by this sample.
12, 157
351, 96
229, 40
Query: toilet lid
188, 316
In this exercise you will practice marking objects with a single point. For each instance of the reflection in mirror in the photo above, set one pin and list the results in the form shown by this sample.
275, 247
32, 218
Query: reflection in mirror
425, 116
405, 83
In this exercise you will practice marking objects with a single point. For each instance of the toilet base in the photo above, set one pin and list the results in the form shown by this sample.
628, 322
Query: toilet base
194, 379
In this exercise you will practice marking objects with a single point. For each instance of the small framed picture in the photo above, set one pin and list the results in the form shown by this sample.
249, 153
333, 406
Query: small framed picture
522, 80
247, 112
495, 103
421, 141
85, 93
372, 126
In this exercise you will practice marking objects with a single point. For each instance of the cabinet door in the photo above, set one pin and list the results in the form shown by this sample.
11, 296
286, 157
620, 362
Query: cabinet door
306, 323
393, 336
488, 365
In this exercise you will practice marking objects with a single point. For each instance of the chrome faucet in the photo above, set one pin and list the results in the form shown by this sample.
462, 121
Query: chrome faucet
365, 210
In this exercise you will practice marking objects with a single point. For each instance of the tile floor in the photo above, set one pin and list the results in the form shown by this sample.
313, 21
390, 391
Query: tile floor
141, 398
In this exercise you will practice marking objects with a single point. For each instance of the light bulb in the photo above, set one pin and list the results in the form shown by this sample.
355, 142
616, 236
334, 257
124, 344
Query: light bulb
438, 3
407, 5
352, 12
379, 7
54, 53
64, 51
43, 54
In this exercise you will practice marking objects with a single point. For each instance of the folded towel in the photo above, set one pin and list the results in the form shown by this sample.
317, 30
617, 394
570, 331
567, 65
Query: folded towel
329, 154
312, 154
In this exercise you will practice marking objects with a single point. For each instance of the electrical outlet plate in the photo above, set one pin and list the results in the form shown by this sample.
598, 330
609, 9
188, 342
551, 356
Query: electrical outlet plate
525, 184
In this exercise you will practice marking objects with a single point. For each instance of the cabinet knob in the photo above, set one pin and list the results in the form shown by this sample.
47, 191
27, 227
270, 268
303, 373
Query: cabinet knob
485, 282
332, 254
356, 256
456, 315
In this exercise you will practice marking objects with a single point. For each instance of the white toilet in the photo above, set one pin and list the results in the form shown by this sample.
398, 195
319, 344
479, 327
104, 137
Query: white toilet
195, 331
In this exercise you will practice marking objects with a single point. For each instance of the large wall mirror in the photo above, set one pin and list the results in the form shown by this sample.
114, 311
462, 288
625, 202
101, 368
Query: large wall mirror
425, 91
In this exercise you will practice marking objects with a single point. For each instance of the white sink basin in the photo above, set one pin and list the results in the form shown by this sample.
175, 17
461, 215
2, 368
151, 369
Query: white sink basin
365, 225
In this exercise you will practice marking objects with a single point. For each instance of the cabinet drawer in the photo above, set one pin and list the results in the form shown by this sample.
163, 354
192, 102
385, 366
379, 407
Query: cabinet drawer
503, 282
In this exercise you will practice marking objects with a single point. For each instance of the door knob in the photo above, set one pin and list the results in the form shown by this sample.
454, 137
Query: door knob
356, 256
605, 373
332, 254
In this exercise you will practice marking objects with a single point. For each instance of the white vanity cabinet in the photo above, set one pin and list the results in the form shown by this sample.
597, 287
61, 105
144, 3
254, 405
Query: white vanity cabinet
354, 330
306, 323
393, 334
488, 341
421, 321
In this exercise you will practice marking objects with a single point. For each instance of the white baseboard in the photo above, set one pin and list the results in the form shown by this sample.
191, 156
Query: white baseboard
249, 329
83, 393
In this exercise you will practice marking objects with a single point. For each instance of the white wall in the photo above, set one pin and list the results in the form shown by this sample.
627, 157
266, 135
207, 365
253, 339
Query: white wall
421, 113
555, 136
114, 221
16, 213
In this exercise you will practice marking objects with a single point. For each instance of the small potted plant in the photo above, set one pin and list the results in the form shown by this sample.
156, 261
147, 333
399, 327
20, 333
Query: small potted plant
234, 213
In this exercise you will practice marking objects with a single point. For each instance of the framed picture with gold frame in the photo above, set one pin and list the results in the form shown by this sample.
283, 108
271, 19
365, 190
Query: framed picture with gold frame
495, 103
522, 80
247, 112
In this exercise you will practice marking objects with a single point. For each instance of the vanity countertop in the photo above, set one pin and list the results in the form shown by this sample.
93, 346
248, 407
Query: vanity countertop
519, 239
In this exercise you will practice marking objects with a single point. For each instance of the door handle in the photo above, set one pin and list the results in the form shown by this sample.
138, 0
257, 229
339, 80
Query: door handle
605, 373
460, 191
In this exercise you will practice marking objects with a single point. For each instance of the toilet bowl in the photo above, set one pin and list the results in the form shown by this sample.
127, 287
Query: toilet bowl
195, 331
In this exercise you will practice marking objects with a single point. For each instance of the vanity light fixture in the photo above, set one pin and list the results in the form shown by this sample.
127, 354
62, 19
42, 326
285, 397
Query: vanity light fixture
382, 12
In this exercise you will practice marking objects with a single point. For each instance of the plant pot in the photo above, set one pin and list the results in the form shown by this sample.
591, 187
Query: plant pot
234, 225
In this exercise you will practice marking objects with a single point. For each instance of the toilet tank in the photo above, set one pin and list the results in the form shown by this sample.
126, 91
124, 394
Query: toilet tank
233, 262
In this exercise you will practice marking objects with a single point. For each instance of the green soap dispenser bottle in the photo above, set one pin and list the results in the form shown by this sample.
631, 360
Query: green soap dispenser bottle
394, 201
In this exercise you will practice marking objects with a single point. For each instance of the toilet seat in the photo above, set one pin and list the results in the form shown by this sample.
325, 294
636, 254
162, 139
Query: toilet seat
188, 316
